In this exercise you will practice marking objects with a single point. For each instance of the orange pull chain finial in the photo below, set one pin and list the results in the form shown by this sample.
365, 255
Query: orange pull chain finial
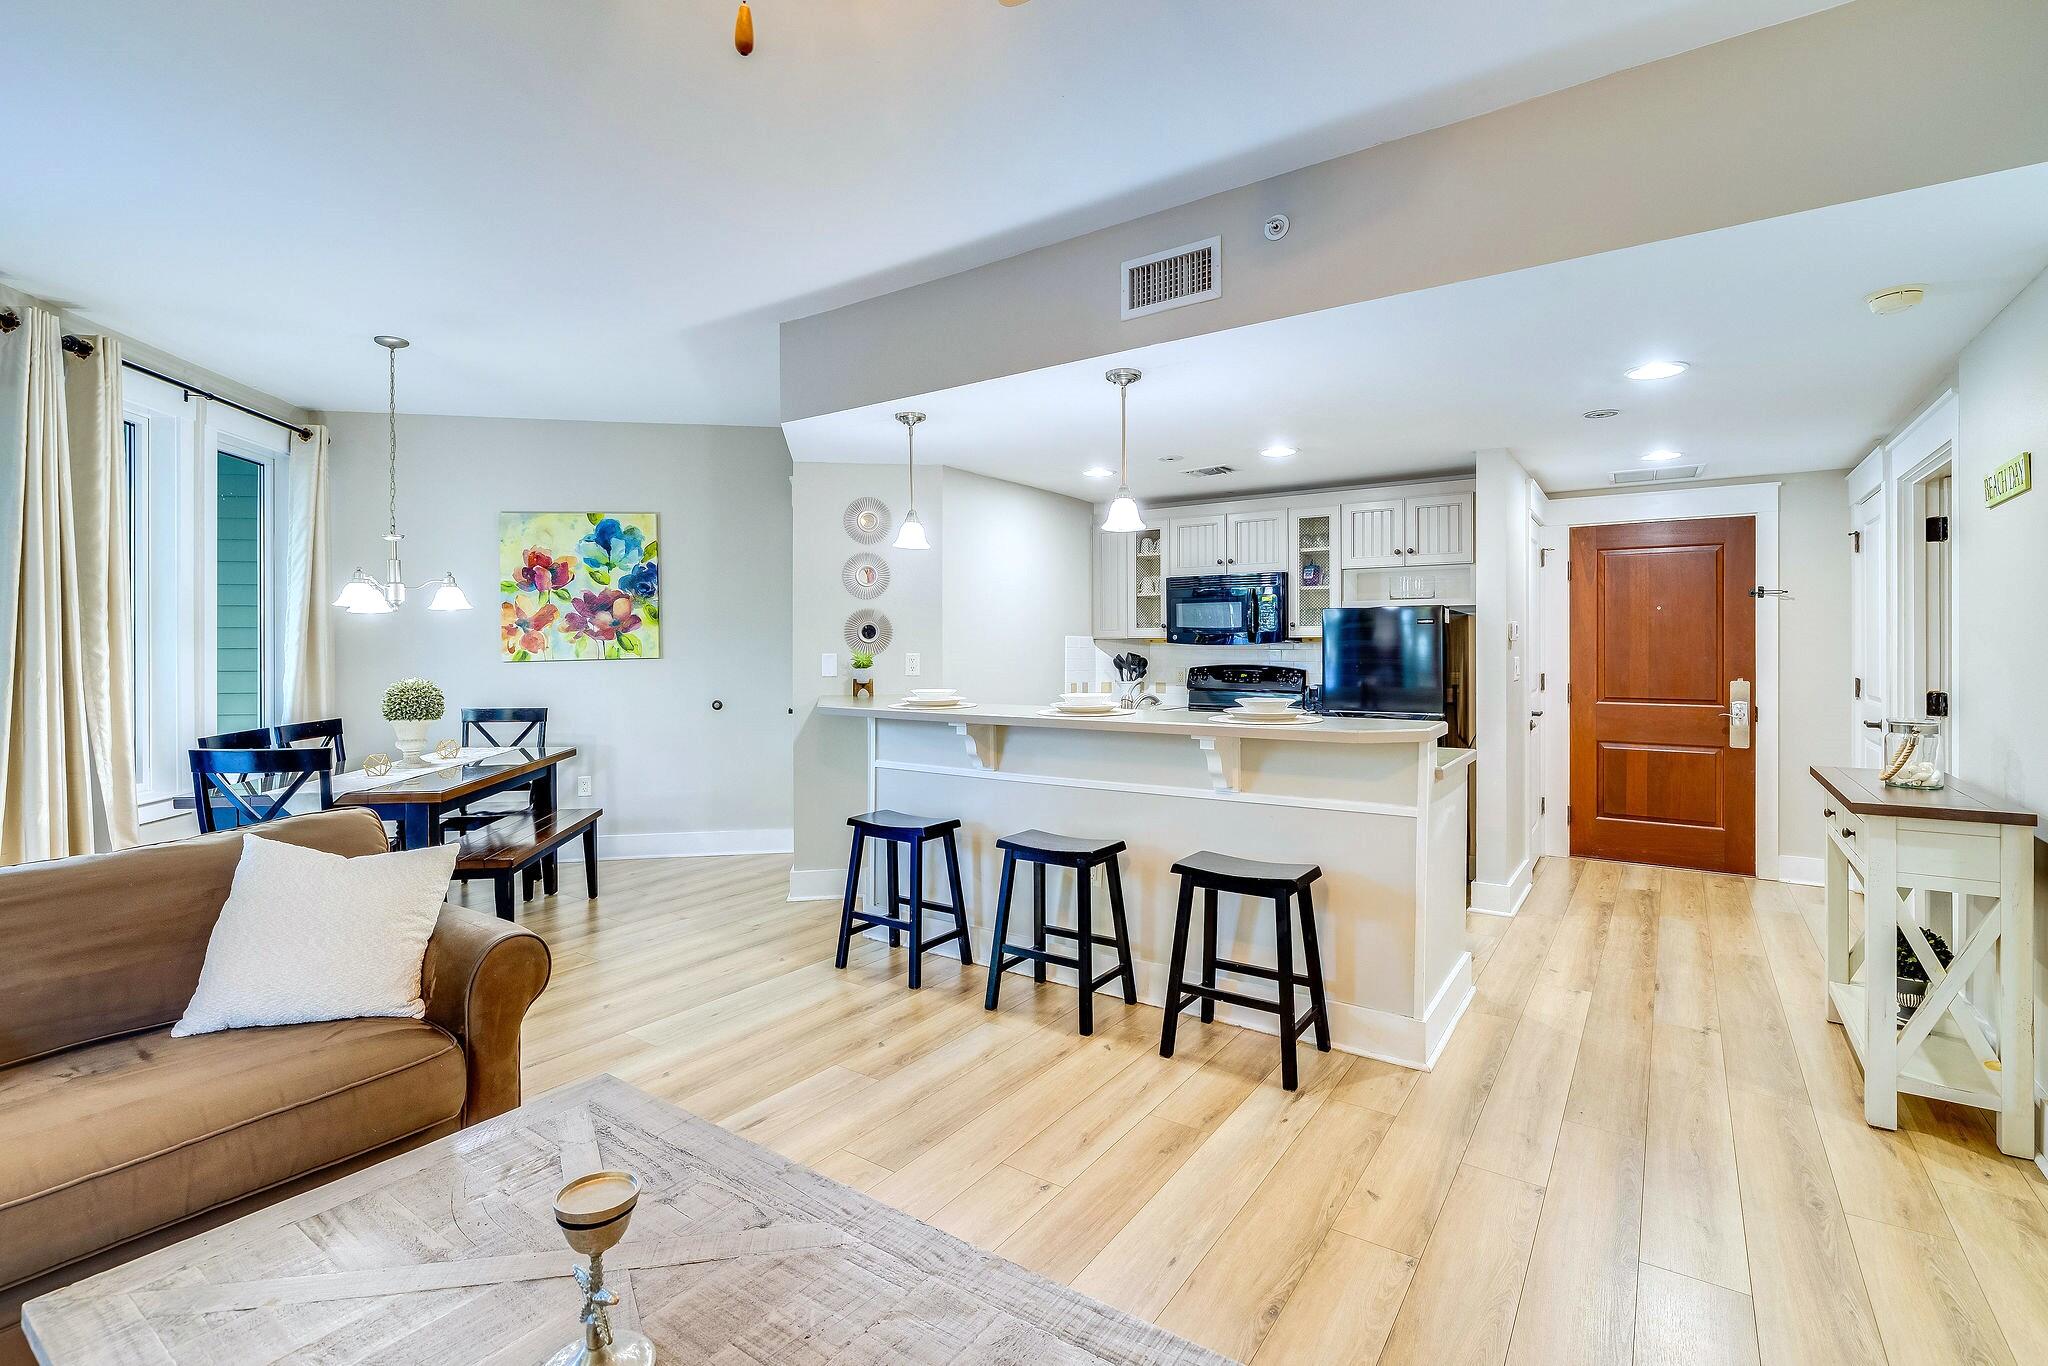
743, 30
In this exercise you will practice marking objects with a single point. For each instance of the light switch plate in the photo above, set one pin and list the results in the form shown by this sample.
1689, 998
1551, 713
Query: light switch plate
913, 665
1514, 668
828, 666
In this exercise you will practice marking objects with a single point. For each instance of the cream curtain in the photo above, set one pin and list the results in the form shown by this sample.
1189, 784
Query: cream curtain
307, 690
104, 583
46, 808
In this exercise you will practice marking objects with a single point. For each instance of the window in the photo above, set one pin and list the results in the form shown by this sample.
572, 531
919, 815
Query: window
238, 532
203, 489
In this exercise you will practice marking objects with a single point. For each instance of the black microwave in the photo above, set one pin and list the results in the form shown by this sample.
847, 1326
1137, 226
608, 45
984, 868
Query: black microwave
1227, 609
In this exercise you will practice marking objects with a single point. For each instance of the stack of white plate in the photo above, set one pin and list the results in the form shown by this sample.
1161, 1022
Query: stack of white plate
1270, 711
934, 698
1087, 704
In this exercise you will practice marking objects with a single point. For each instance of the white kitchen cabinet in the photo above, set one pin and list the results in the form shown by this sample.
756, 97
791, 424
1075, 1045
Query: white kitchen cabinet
1312, 554
1256, 542
1439, 529
1115, 583
1195, 545
1375, 533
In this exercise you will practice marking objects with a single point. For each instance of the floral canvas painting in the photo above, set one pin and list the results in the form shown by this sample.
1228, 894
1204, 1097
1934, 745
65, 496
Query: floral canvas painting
579, 585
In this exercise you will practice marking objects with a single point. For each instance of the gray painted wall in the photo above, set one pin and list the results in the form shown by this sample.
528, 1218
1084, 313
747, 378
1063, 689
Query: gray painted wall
1861, 100
665, 765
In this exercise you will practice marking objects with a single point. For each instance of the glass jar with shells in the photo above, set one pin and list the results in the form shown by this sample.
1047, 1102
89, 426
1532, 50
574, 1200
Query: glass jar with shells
1912, 754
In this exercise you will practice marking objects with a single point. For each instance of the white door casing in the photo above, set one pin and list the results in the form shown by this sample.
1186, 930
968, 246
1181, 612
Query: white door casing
1870, 661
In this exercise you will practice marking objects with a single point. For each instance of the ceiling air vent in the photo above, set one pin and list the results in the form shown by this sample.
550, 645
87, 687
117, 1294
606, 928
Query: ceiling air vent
1660, 474
1168, 279
1210, 471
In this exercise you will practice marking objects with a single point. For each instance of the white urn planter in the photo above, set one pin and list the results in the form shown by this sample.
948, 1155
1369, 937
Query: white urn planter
412, 741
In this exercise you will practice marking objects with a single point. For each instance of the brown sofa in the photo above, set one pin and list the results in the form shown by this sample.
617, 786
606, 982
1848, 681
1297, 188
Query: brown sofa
116, 1138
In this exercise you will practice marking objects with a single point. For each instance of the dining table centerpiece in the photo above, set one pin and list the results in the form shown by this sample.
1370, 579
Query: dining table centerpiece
412, 705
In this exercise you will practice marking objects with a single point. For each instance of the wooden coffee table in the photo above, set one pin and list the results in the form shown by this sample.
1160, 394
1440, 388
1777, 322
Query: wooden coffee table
450, 1253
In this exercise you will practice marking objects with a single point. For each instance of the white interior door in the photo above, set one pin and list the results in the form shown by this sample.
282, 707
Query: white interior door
1194, 545
1869, 645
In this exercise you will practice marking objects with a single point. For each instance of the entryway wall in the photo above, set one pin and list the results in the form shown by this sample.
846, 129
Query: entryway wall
1802, 646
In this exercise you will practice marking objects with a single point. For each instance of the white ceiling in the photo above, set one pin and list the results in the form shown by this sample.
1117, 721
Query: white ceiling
1790, 371
598, 210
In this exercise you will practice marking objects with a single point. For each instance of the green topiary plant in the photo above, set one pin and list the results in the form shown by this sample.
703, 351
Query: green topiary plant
414, 699
863, 660
1911, 969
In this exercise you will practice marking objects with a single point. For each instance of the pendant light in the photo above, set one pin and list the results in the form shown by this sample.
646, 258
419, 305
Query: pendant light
363, 594
912, 536
1123, 512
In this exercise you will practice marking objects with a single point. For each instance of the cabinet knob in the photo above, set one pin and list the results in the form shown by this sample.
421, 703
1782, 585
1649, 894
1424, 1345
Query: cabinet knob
1847, 833
1827, 813
1411, 550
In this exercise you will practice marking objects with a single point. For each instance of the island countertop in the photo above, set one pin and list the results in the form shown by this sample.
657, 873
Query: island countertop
1340, 730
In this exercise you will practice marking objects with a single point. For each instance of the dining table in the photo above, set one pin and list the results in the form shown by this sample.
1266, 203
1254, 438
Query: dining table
419, 800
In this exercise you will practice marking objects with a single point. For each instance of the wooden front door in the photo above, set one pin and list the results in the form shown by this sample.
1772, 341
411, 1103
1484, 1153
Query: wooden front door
1663, 628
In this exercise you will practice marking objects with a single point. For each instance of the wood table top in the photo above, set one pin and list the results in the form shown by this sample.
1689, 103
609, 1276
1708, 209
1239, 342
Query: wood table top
450, 1253
459, 780
1862, 790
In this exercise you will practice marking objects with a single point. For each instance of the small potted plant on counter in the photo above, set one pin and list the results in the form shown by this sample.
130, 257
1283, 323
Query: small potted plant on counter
411, 705
863, 673
1913, 972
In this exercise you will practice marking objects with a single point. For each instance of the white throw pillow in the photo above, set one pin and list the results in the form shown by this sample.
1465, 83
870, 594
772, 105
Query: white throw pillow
307, 935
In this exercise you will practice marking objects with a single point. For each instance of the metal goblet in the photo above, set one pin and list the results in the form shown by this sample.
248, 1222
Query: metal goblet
593, 1212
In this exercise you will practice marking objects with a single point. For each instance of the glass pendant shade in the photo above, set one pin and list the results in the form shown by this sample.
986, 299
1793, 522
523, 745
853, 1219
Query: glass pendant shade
912, 536
361, 594
448, 597
1123, 514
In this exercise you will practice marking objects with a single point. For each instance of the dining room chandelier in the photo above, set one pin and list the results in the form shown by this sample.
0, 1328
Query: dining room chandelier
364, 594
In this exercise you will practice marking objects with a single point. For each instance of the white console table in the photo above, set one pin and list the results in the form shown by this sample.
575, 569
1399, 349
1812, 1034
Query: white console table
1964, 858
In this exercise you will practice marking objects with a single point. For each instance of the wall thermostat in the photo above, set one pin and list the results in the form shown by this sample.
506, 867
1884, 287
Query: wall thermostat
1276, 227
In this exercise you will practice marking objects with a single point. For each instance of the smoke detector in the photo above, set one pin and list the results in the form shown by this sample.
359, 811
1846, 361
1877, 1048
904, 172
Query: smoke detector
1897, 299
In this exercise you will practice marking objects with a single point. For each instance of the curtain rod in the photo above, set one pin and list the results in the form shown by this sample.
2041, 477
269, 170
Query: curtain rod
80, 347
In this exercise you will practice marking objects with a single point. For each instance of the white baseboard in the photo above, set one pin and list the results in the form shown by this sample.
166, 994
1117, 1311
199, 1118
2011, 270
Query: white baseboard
1504, 898
685, 844
1802, 869
817, 884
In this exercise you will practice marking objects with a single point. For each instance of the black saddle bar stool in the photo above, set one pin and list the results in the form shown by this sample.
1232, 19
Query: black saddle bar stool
1039, 849
1283, 883
894, 828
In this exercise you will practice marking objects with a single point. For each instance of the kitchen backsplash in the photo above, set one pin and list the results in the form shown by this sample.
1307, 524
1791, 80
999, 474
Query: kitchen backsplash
1170, 663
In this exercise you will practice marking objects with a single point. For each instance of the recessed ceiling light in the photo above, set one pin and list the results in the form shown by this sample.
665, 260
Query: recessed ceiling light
1897, 299
1277, 452
1597, 414
1657, 369
1097, 472
1663, 457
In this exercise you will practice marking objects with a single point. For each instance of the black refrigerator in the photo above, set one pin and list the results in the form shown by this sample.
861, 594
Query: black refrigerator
1413, 662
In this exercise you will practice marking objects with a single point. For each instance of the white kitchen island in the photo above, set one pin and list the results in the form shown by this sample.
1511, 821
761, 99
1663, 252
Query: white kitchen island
1378, 804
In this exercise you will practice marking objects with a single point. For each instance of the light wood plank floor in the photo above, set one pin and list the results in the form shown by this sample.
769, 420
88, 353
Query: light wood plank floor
1643, 1143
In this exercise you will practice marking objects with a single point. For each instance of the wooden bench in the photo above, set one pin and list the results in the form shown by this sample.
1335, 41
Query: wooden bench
505, 850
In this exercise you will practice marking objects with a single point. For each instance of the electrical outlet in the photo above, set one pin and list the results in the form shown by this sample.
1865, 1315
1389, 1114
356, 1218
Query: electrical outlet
913, 665
583, 784
1514, 668
828, 666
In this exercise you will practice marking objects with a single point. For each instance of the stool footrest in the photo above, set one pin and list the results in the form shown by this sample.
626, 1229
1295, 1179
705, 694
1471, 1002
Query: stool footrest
1254, 970
1106, 940
1196, 993
1012, 956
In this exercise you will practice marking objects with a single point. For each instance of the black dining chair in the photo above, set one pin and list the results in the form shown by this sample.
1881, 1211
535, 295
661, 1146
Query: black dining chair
258, 738
320, 734
513, 727
232, 788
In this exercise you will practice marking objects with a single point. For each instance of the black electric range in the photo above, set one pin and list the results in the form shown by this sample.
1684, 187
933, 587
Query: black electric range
1216, 687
